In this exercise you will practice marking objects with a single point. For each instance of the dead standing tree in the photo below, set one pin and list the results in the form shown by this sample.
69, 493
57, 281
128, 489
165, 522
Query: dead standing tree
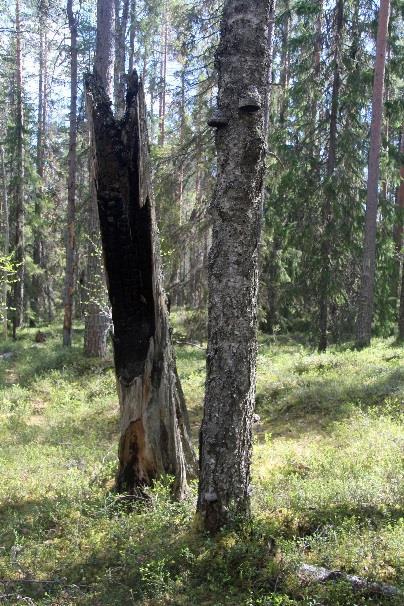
155, 436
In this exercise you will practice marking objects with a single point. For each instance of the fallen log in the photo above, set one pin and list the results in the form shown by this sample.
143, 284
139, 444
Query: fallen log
309, 574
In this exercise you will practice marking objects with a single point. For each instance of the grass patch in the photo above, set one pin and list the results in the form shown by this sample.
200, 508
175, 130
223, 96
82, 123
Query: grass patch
326, 474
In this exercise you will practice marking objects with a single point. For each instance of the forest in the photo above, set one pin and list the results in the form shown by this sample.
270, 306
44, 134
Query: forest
201, 302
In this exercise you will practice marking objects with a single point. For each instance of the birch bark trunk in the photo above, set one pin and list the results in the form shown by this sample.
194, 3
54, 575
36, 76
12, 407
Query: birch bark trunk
226, 433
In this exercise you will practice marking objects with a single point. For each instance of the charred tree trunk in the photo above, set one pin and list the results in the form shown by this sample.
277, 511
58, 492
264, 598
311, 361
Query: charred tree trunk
365, 312
71, 184
19, 244
5, 220
154, 426
226, 433
327, 209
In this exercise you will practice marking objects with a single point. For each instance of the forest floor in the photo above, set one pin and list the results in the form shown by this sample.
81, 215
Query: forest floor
326, 474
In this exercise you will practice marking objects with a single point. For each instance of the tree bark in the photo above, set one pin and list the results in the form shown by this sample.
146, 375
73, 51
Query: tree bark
6, 238
132, 35
365, 312
97, 320
329, 190
19, 244
155, 436
163, 77
399, 238
226, 433
71, 184
37, 301
119, 63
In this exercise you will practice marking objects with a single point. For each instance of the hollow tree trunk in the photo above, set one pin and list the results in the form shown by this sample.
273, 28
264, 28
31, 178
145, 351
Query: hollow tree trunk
327, 210
154, 426
226, 433
365, 312
71, 185
19, 244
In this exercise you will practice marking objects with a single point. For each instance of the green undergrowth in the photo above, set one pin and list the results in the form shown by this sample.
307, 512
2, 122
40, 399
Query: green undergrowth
327, 476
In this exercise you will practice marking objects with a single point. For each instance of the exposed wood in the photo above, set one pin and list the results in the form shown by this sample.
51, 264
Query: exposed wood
155, 436
5, 221
317, 574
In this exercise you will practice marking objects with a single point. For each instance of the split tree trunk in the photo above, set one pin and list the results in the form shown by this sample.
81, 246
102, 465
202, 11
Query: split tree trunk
327, 210
71, 184
155, 437
19, 244
365, 313
226, 433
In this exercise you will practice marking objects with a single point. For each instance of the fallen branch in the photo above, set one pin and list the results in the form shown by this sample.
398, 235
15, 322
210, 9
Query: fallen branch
317, 574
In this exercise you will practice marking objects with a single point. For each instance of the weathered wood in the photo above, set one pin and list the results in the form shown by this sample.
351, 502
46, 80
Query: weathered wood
155, 436
309, 574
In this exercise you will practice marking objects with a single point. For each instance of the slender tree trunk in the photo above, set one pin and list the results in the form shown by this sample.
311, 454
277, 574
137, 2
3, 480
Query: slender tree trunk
97, 320
132, 35
365, 312
19, 246
5, 219
226, 433
154, 426
163, 78
120, 56
285, 64
38, 256
329, 192
399, 238
71, 184
270, 42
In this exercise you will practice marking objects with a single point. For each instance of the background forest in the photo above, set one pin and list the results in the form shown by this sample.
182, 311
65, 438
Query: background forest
326, 474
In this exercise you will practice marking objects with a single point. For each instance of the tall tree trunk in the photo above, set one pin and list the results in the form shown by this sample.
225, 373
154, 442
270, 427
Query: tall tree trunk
226, 433
121, 24
285, 63
365, 312
329, 190
71, 184
37, 301
5, 220
154, 426
163, 77
399, 238
132, 35
19, 244
97, 314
